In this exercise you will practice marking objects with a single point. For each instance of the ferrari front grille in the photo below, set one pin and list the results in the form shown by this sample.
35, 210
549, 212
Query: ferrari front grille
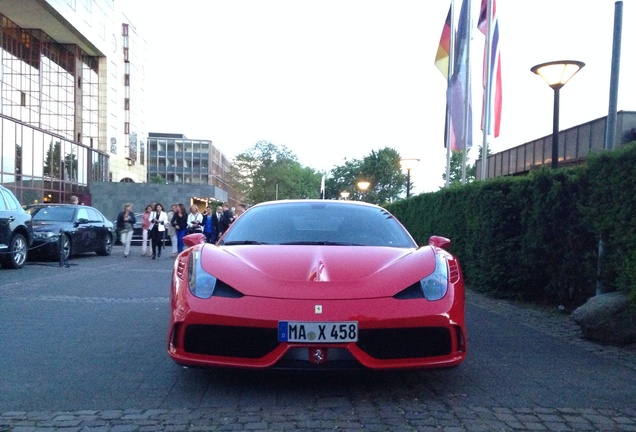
230, 341
401, 343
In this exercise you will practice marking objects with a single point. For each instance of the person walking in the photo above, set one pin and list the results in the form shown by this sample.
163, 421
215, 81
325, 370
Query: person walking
195, 219
125, 224
158, 222
216, 221
172, 232
145, 233
180, 223
209, 226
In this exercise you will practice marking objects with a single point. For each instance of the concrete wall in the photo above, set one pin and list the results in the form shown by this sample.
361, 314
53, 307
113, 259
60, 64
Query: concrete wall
110, 197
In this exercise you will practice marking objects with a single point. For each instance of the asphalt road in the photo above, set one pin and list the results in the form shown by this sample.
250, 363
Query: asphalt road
84, 348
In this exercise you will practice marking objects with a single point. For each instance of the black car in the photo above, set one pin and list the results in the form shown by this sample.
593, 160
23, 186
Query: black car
16, 233
82, 229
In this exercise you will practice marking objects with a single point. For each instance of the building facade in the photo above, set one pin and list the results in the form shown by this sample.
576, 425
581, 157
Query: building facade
71, 98
174, 159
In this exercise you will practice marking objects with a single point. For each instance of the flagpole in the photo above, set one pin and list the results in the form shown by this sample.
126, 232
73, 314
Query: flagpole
488, 93
467, 95
451, 67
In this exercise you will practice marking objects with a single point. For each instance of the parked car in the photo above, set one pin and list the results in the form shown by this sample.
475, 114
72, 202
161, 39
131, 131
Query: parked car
318, 285
82, 229
16, 232
137, 236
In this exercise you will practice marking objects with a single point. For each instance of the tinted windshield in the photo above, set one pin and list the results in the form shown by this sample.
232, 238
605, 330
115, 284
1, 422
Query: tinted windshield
311, 222
58, 214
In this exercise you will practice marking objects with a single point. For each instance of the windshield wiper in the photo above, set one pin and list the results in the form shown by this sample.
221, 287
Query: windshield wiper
244, 242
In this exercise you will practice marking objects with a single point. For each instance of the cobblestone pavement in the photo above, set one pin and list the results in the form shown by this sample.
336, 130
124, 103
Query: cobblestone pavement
343, 413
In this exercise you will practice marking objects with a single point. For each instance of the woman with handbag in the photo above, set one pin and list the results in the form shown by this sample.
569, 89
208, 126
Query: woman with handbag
125, 223
158, 222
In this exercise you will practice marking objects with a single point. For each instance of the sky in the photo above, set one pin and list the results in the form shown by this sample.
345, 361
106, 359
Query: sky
333, 80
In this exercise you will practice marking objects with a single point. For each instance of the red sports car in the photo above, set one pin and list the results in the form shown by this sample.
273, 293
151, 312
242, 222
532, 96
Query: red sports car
317, 284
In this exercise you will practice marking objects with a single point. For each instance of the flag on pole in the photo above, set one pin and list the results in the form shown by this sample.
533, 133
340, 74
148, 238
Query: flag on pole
443, 50
492, 71
458, 93
443, 63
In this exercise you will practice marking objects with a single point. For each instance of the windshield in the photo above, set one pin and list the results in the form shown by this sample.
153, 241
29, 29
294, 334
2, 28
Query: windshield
57, 214
318, 223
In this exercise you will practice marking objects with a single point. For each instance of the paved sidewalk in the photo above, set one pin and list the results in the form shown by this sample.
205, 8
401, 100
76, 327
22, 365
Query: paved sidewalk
343, 413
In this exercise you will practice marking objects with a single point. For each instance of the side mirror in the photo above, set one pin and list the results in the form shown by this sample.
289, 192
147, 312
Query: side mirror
81, 221
193, 239
439, 241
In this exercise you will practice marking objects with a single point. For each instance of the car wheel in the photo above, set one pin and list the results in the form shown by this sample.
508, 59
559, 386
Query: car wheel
107, 246
16, 254
65, 248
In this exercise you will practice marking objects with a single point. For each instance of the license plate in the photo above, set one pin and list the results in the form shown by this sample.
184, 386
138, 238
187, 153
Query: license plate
318, 332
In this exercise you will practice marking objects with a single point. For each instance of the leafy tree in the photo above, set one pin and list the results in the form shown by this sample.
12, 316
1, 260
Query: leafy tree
156, 179
268, 172
380, 168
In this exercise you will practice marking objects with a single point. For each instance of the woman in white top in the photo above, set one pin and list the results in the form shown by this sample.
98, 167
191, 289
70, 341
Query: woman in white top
158, 222
195, 219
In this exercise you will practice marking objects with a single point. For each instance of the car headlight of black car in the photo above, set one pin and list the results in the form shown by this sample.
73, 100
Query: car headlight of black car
44, 235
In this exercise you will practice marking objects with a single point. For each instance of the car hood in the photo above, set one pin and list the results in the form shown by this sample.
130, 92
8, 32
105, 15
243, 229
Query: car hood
290, 270
45, 226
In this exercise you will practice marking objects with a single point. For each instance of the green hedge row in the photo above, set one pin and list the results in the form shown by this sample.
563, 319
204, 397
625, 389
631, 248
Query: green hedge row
537, 237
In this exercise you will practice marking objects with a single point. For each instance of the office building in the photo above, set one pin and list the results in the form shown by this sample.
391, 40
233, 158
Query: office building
71, 98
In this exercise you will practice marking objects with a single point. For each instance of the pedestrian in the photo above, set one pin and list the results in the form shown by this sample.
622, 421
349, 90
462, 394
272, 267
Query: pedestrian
171, 231
158, 222
74, 200
125, 225
227, 217
180, 223
195, 219
216, 220
145, 230
209, 226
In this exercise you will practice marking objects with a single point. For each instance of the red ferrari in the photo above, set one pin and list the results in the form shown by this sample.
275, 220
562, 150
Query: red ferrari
317, 284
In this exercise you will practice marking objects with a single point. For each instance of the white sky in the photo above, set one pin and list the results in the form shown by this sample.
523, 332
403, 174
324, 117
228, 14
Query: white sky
334, 79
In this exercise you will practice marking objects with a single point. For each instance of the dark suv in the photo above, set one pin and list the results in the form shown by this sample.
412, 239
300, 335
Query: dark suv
16, 232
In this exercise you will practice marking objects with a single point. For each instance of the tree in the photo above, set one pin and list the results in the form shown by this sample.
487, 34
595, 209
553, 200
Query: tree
380, 168
456, 168
268, 172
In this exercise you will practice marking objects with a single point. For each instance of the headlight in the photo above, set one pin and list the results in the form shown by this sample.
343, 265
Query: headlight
435, 285
44, 235
200, 282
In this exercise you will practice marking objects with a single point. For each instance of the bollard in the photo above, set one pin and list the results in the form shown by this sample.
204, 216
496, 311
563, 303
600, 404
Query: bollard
60, 249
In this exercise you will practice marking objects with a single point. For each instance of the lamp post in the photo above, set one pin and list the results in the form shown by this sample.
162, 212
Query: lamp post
363, 185
344, 195
556, 74
408, 164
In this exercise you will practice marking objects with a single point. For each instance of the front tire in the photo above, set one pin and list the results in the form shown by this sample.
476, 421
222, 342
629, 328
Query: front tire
16, 254
107, 246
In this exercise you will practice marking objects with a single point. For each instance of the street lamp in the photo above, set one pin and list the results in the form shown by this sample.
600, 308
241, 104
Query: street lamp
408, 165
344, 195
556, 74
363, 185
